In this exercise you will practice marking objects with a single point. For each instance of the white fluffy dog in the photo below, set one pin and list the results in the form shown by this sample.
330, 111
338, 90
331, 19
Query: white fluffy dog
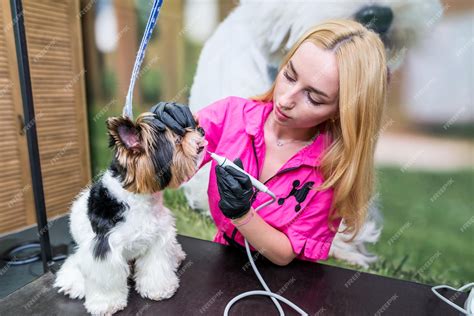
121, 218
242, 58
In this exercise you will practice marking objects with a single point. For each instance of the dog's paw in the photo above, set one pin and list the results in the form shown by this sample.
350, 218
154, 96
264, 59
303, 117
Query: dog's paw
73, 291
180, 256
105, 305
158, 291
71, 284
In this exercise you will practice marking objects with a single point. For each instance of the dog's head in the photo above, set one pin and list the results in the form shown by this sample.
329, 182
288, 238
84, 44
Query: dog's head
399, 23
147, 160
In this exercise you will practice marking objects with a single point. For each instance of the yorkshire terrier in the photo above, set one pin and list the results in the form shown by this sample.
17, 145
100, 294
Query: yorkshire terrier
120, 220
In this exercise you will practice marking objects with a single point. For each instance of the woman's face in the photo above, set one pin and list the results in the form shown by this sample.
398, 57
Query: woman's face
307, 88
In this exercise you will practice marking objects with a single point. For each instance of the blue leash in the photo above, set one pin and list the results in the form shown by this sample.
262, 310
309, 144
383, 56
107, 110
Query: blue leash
155, 11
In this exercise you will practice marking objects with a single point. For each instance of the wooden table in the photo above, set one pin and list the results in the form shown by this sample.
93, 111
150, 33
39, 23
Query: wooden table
213, 274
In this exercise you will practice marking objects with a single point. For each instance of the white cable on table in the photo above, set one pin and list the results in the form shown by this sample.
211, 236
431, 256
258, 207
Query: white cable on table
222, 161
468, 304
267, 291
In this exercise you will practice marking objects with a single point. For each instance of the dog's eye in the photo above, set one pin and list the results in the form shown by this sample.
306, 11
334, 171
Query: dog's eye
201, 130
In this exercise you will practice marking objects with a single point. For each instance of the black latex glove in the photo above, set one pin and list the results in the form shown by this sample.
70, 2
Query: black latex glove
174, 115
235, 189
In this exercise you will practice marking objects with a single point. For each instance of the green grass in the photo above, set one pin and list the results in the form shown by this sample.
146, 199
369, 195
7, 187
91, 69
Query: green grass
188, 221
422, 239
424, 214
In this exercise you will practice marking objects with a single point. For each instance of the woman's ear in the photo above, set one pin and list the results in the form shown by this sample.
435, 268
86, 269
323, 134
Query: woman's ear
123, 133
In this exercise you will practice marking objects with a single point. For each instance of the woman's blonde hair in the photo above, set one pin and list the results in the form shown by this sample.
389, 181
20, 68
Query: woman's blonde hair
348, 161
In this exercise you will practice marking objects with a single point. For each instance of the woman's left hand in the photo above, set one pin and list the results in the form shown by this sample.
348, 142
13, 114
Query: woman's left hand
174, 115
235, 189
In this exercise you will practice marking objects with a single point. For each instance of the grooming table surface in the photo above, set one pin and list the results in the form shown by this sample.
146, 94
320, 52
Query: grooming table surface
213, 274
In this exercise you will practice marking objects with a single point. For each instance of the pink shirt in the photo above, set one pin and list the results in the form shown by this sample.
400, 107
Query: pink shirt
234, 128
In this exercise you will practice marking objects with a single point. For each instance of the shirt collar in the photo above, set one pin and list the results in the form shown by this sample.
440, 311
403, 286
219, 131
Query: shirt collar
255, 117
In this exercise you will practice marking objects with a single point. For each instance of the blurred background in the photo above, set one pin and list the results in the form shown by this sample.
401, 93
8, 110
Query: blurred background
81, 59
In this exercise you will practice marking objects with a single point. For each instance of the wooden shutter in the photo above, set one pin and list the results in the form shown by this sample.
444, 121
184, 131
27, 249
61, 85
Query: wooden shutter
54, 44
16, 198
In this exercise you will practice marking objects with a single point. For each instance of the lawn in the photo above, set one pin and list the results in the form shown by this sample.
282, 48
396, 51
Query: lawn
428, 232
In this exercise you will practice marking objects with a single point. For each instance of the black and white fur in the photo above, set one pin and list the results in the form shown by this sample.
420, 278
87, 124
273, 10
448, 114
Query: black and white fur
113, 226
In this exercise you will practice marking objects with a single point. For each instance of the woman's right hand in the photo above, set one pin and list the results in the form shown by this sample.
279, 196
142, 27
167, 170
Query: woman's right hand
176, 116
235, 190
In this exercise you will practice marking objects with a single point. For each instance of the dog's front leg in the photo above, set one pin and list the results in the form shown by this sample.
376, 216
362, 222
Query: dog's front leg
105, 284
155, 271
69, 278
179, 254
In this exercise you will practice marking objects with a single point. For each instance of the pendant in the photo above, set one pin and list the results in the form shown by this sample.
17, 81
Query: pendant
279, 143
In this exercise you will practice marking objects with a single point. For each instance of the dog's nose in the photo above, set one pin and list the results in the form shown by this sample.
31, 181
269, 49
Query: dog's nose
376, 18
202, 145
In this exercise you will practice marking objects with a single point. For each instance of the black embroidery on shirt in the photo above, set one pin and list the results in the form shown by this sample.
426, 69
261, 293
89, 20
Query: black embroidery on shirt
299, 194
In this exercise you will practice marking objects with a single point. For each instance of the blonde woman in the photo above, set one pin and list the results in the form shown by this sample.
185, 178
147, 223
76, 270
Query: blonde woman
310, 139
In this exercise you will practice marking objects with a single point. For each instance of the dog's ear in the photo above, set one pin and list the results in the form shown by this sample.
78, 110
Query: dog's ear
123, 133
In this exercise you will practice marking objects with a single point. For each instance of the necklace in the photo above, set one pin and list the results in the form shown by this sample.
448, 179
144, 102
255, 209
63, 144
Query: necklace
280, 143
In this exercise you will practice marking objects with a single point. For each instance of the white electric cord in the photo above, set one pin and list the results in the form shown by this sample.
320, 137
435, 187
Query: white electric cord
222, 161
267, 291
468, 305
